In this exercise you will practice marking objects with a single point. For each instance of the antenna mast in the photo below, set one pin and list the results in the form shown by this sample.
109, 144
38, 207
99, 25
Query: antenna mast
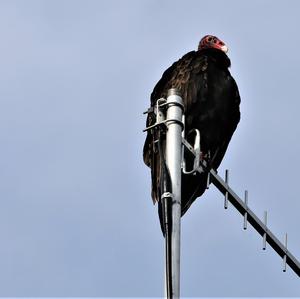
169, 117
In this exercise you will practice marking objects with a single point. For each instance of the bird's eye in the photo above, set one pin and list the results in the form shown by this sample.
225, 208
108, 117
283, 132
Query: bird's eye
215, 41
209, 39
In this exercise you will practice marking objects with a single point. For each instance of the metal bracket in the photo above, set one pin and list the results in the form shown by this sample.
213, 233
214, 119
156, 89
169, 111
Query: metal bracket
159, 110
167, 195
196, 151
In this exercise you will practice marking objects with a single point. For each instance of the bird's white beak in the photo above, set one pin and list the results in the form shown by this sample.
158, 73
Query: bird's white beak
224, 49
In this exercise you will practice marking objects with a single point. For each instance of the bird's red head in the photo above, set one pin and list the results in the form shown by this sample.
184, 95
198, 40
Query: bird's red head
210, 41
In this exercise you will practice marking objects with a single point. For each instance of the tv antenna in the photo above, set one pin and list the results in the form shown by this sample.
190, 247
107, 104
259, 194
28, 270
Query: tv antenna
170, 118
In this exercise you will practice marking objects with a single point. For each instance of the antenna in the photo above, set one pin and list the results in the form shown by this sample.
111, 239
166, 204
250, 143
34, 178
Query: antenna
170, 118
258, 225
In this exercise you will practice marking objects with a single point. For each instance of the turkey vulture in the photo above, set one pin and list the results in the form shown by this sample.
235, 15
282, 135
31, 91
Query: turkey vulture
211, 100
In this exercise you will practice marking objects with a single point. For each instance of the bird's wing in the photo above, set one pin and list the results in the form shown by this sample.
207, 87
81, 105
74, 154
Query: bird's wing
176, 76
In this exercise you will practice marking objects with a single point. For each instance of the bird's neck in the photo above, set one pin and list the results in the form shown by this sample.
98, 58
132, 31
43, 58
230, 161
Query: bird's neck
219, 56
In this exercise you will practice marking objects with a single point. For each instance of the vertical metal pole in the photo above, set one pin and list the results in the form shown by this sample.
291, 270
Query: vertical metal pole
226, 194
265, 235
246, 204
284, 257
173, 161
208, 181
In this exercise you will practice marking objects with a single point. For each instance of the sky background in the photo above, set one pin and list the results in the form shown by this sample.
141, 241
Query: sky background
76, 215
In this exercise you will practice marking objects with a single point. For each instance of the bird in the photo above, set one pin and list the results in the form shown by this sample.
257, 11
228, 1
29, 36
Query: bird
211, 101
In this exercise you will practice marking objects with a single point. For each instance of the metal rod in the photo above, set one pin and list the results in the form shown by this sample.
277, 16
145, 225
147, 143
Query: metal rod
173, 160
265, 234
226, 194
285, 243
208, 181
284, 263
246, 204
284, 257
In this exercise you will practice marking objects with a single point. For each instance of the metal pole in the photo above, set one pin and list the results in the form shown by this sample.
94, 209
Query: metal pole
173, 161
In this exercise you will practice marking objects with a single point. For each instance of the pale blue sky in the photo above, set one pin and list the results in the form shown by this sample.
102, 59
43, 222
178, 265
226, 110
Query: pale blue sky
76, 216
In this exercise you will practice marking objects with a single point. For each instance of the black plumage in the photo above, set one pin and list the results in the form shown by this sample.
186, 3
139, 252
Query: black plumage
211, 99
